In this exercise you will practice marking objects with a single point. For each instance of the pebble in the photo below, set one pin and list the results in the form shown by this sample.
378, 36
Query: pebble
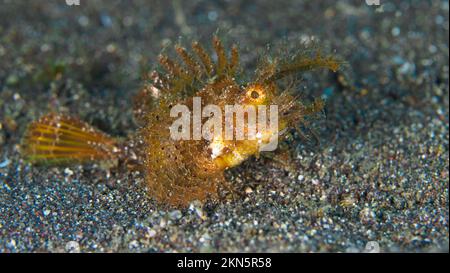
175, 215
72, 247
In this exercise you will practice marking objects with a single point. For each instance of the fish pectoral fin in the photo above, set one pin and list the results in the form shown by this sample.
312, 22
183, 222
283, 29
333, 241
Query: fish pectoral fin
57, 139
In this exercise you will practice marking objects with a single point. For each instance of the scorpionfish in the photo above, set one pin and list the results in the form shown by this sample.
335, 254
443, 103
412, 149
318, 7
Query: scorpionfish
179, 171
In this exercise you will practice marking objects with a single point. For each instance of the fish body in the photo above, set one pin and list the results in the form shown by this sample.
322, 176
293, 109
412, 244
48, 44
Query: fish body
178, 171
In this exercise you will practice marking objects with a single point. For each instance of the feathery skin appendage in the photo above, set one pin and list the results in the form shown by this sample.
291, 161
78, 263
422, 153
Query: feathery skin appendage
204, 57
221, 65
170, 66
191, 64
276, 69
180, 82
266, 69
315, 107
196, 71
234, 61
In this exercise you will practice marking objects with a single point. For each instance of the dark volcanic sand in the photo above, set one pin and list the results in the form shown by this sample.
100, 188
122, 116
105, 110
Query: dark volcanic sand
381, 172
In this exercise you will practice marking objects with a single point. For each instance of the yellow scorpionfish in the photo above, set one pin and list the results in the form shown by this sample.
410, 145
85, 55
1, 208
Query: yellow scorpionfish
178, 171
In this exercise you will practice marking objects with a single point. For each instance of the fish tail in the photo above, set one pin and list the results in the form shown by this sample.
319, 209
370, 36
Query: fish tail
58, 139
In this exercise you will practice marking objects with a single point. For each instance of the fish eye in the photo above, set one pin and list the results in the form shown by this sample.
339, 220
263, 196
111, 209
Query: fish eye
254, 94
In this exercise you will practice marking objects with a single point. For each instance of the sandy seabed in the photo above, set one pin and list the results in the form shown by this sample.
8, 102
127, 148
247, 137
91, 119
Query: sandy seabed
381, 172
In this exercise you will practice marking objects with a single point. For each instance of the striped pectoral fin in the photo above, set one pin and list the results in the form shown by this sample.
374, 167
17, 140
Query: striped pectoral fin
57, 139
